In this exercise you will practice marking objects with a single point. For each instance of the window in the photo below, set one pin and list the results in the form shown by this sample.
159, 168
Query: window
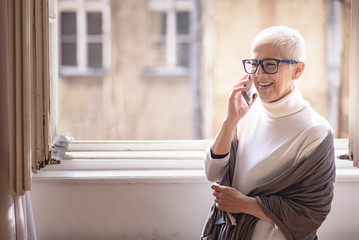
161, 54
170, 36
30, 113
83, 37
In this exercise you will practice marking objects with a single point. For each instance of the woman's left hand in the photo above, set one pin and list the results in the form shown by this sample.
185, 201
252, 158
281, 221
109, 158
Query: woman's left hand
228, 199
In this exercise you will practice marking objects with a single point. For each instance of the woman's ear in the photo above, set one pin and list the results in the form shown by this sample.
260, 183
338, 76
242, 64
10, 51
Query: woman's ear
298, 70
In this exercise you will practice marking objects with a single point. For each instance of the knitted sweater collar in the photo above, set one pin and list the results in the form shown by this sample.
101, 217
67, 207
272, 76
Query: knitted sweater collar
286, 106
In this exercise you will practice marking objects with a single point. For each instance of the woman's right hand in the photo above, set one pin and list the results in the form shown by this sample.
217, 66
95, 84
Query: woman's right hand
236, 109
237, 106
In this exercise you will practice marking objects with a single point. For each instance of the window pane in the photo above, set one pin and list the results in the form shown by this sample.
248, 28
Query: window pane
68, 23
94, 23
95, 55
68, 54
126, 102
131, 105
183, 54
182, 22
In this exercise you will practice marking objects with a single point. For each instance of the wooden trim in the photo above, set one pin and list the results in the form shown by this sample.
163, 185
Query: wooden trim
354, 85
41, 79
18, 91
28, 90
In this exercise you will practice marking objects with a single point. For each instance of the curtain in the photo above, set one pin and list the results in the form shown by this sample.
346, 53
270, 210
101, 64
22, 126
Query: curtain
6, 201
24, 220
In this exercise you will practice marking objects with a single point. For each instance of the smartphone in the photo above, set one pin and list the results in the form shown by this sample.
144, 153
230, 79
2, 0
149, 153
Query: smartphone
248, 95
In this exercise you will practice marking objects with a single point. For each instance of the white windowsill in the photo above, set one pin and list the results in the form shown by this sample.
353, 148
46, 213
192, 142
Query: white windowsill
123, 176
347, 174
129, 162
148, 163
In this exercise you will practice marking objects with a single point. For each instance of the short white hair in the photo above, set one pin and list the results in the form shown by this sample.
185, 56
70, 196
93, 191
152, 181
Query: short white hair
288, 40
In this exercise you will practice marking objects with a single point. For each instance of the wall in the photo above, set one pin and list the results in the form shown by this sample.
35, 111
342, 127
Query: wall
158, 211
342, 222
120, 211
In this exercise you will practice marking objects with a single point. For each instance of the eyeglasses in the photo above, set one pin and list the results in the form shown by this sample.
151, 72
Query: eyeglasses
269, 65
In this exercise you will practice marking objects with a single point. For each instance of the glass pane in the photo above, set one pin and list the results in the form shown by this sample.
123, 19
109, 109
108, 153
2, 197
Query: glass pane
68, 23
158, 23
127, 104
183, 54
182, 22
68, 54
94, 23
95, 55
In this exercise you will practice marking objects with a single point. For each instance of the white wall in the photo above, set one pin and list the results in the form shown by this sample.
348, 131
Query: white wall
152, 211
120, 211
342, 222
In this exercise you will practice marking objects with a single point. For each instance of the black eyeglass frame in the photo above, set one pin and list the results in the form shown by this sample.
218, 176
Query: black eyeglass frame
260, 62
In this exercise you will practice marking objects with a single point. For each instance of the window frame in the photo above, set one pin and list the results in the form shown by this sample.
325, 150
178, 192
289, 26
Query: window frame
81, 8
28, 90
121, 166
353, 139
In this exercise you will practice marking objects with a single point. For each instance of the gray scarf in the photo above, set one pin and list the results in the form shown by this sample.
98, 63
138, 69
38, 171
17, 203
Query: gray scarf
297, 201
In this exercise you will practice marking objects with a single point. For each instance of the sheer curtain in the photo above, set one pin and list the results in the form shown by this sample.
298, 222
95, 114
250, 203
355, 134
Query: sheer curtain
24, 220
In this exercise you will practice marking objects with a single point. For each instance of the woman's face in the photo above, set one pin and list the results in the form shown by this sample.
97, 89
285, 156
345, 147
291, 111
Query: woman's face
273, 87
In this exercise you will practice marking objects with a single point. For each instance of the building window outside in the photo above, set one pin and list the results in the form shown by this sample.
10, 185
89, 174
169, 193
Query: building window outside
170, 36
83, 37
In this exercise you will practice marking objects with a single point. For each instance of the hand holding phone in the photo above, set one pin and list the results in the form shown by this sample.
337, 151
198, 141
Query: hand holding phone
248, 95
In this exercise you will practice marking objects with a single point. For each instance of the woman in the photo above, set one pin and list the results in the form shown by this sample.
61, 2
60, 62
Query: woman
273, 159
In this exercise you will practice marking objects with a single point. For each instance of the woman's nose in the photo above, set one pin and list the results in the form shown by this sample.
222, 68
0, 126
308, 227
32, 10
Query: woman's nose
260, 71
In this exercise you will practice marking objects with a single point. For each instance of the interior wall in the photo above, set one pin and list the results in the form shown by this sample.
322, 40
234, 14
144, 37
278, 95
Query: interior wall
120, 211
152, 211
342, 221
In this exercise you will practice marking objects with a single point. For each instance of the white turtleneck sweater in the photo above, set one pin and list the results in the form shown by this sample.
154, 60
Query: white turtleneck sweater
272, 138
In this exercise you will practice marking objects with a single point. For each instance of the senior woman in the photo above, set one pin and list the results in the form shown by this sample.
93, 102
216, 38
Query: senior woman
273, 160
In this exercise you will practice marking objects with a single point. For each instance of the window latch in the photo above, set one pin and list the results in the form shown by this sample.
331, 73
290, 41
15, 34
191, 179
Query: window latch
345, 157
59, 147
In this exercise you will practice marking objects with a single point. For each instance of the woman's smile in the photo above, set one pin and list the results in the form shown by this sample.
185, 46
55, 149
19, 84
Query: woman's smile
264, 85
